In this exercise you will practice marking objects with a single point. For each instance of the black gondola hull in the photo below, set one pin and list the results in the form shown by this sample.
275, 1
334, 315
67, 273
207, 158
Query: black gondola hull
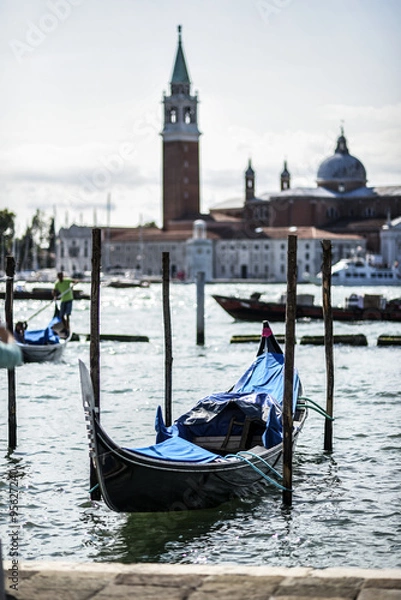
130, 482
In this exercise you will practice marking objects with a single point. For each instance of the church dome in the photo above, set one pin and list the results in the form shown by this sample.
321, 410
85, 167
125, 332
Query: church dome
341, 172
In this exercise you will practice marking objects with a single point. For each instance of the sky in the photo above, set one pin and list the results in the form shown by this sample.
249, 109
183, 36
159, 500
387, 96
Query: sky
83, 80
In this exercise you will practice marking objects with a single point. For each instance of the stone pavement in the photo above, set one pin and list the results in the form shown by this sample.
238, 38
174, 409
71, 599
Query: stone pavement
113, 581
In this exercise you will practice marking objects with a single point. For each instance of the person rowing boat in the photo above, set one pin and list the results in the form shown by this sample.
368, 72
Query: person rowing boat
63, 291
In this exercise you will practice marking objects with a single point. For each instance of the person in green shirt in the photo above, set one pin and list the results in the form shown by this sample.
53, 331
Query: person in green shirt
63, 291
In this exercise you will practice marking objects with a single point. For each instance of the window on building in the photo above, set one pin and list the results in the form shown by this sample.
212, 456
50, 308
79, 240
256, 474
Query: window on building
173, 115
188, 115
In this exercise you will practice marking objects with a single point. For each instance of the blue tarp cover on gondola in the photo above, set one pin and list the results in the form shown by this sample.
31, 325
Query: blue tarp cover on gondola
42, 336
258, 394
177, 449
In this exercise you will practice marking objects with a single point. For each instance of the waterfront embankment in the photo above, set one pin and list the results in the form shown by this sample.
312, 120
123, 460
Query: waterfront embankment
42, 580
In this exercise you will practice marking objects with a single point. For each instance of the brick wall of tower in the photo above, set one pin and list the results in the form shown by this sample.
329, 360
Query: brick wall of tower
180, 181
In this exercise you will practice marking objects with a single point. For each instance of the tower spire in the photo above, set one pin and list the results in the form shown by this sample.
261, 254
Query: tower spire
342, 147
249, 182
180, 81
285, 178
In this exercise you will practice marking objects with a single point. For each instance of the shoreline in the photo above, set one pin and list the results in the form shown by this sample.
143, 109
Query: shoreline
43, 580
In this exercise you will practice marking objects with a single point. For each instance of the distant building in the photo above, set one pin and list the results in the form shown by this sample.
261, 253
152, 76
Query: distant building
246, 237
390, 236
341, 203
74, 249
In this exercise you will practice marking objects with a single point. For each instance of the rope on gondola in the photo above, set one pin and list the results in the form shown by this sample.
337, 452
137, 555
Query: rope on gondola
259, 471
313, 406
272, 469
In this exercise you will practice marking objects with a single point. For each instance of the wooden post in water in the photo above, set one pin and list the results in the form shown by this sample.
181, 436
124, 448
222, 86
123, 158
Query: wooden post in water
328, 343
291, 308
168, 361
200, 308
94, 348
12, 402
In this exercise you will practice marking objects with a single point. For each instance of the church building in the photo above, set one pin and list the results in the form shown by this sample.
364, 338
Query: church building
245, 238
341, 202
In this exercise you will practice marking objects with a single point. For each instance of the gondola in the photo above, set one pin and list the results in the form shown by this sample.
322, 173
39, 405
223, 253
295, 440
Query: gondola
43, 345
40, 293
229, 445
356, 309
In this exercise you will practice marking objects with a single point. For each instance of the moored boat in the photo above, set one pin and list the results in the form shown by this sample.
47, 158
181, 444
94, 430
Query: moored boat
357, 308
40, 293
229, 445
360, 271
43, 345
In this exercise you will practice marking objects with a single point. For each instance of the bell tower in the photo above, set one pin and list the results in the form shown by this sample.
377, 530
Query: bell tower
285, 178
180, 146
249, 182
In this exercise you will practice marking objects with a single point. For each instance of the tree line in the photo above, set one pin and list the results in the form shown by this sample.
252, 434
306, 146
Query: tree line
35, 249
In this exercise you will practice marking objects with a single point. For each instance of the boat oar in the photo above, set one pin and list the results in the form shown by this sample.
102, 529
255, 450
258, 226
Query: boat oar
49, 303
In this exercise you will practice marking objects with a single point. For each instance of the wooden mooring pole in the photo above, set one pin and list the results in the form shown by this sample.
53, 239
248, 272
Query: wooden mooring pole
168, 361
291, 308
200, 308
328, 343
94, 347
12, 402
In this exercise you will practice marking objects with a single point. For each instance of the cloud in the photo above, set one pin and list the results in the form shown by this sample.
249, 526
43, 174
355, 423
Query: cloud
389, 114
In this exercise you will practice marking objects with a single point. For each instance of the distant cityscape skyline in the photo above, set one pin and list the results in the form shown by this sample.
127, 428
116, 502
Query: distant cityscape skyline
82, 116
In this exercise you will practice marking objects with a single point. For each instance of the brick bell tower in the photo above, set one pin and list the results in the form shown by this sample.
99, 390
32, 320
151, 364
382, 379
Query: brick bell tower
180, 146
